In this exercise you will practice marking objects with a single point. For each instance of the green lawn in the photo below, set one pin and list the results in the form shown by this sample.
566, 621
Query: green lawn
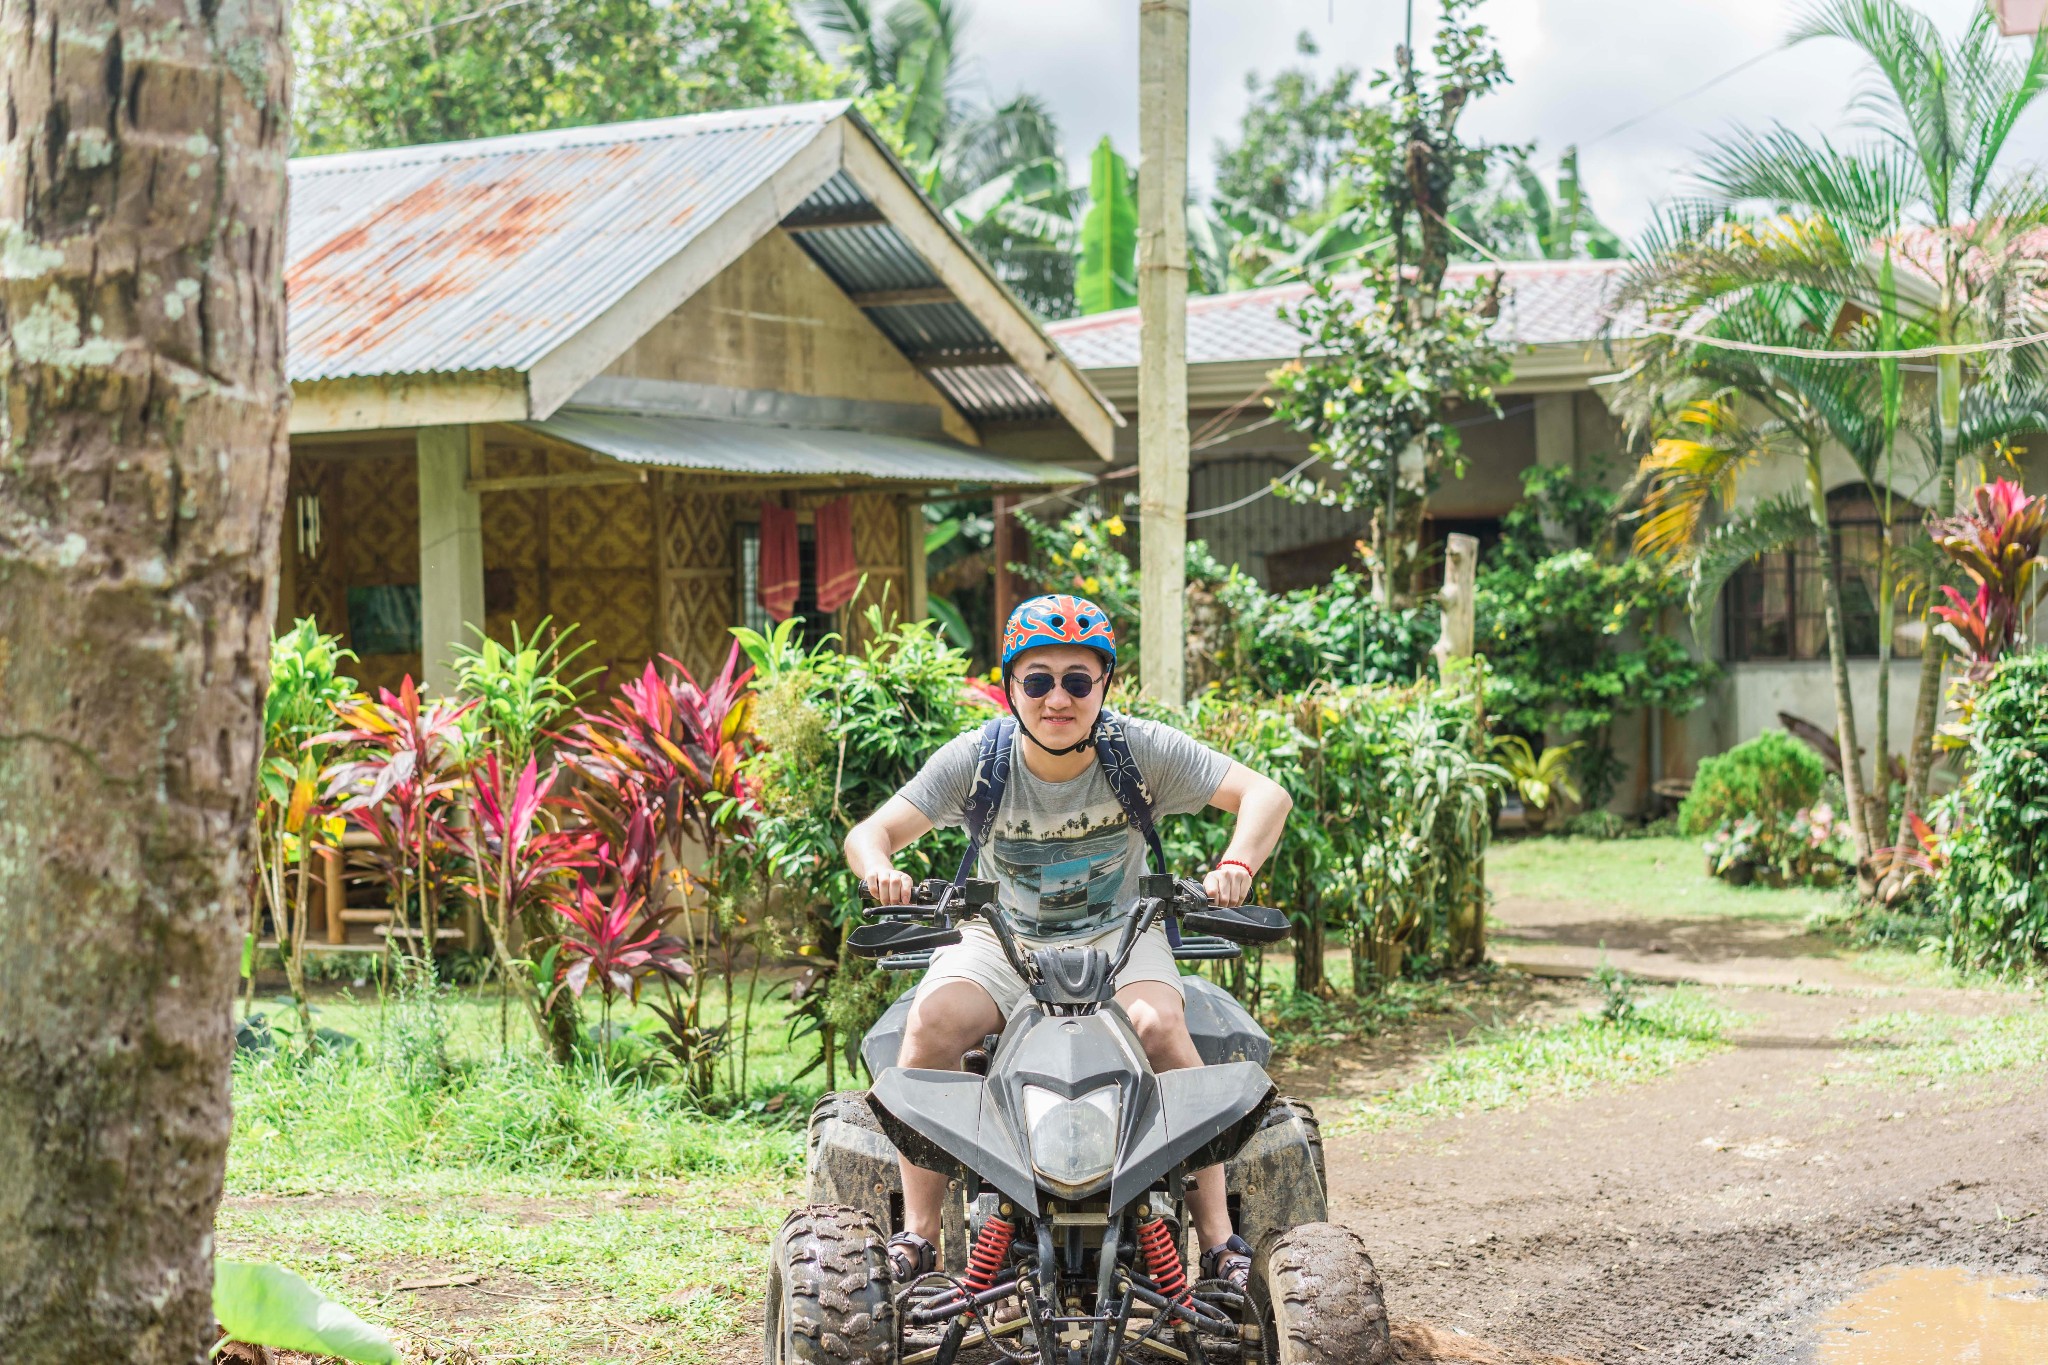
1647, 878
1508, 1066
584, 1217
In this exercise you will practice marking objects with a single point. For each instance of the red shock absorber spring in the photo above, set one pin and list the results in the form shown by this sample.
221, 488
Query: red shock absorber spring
1162, 1259
991, 1248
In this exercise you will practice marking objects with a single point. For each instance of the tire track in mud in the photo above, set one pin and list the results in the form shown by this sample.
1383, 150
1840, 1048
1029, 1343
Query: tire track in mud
1706, 1216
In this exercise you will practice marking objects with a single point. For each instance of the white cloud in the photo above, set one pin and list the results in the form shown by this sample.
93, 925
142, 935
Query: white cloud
1579, 68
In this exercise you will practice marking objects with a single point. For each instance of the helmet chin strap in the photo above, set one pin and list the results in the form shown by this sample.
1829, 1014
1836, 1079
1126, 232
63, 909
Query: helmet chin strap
1084, 742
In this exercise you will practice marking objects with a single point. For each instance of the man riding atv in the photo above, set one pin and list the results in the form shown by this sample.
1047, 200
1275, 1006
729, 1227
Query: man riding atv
1054, 1105
1067, 859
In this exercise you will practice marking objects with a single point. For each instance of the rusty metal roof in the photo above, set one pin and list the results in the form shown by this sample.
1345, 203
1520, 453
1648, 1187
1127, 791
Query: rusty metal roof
743, 448
485, 255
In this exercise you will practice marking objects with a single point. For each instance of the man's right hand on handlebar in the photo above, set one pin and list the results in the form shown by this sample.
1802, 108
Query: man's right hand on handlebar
887, 886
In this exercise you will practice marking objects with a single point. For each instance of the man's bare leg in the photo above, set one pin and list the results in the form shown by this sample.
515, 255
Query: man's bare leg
1156, 1013
943, 1024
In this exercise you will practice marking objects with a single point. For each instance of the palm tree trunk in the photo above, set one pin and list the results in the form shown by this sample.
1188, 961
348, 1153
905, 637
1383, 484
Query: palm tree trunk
1927, 709
144, 488
1838, 665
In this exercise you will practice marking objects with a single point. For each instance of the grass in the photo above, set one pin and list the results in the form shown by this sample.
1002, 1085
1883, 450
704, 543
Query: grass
1908, 1043
1663, 878
1507, 1066
610, 1220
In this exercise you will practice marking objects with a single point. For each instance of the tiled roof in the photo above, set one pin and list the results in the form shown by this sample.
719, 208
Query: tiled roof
1541, 302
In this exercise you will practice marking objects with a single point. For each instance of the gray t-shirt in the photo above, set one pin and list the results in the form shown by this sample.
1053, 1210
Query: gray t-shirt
1065, 857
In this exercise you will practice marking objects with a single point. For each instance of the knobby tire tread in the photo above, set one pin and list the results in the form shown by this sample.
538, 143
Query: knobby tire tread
833, 1273
1324, 1297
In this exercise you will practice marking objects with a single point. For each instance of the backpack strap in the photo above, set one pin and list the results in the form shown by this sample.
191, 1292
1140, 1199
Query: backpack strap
985, 797
1133, 793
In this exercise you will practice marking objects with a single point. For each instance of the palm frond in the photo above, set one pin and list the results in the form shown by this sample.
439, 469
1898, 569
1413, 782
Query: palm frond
1862, 192
1760, 529
1697, 461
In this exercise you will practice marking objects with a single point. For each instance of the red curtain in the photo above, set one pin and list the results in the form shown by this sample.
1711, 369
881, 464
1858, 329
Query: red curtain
838, 574
780, 573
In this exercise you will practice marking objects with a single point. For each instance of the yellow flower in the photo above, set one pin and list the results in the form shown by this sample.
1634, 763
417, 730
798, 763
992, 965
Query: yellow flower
1080, 550
1115, 526
1091, 583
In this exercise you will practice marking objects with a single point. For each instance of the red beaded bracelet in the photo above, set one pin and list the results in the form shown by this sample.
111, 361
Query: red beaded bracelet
1249, 870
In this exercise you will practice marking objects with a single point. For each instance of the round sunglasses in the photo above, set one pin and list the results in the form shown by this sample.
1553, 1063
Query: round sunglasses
1076, 684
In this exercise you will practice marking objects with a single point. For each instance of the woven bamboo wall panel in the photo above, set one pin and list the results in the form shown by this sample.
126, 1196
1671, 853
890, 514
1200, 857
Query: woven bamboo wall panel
601, 528
381, 498
698, 568
878, 549
614, 609
318, 591
376, 526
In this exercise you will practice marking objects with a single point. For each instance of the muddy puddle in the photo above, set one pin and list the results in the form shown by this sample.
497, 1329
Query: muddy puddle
1939, 1316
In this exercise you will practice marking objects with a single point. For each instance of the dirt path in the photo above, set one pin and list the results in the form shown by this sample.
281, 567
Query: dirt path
1713, 1214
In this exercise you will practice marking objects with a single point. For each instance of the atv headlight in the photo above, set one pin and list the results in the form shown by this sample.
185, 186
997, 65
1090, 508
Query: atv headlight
1073, 1142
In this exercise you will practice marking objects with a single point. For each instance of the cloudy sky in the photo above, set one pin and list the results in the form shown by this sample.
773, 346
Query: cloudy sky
1580, 67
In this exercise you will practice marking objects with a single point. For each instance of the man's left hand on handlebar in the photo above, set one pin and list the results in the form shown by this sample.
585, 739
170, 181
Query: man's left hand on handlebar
1230, 883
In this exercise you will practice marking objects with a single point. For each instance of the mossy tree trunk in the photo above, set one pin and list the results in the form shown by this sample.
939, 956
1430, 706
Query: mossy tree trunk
142, 482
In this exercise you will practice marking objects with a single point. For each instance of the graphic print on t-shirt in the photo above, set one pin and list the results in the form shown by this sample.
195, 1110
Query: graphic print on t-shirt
1064, 884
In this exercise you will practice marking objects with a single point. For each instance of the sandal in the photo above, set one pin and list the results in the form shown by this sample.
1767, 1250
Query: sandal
1232, 1261
911, 1256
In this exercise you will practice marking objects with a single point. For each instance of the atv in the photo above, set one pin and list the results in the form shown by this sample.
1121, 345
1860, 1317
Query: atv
1065, 1235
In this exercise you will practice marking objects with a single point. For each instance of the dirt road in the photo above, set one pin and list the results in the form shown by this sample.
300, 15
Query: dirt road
1716, 1213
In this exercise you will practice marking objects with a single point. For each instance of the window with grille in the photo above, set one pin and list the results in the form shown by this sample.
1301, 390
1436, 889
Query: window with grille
816, 624
1773, 610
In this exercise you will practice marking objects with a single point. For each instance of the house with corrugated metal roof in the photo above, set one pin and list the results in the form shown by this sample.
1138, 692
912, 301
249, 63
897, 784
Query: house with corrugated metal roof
1552, 316
573, 374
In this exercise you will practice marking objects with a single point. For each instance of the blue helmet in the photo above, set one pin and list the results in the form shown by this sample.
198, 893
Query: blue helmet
1059, 619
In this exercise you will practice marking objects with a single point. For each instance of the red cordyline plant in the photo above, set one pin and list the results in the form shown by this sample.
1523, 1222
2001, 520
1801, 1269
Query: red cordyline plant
1998, 544
522, 869
615, 937
666, 756
402, 791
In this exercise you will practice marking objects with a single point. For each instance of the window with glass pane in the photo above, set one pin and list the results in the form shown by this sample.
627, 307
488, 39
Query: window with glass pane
816, 624
1773, 607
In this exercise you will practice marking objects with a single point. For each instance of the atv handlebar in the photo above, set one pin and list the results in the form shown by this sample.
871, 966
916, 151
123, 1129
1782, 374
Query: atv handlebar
927, 922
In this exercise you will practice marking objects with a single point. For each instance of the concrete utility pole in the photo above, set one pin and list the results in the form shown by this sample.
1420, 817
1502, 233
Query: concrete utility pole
1163, 343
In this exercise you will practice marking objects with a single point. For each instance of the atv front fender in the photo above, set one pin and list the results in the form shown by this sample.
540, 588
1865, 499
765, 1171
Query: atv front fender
1205, 1110
956, 1121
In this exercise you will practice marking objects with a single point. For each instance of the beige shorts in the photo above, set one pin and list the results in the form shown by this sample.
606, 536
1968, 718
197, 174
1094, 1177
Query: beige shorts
978, 957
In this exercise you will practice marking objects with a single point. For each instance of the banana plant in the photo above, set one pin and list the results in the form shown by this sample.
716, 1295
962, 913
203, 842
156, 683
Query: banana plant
1108, 276
267, 1305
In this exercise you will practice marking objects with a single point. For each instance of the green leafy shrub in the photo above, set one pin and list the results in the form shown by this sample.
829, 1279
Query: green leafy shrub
1992, 878
1573, 632
1393, 807
1771, 777
843, 731
1810, 849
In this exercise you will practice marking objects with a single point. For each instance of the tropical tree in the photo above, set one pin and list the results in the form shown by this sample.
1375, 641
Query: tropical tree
996, 168
387, 73
1927, 230
140, 504
1526, 218
1292, 154
1382, 366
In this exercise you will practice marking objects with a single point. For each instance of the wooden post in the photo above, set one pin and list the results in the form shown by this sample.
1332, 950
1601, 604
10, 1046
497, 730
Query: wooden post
914, 566
451, 549
1461, 572
334, 895
1008, 548
1163, 327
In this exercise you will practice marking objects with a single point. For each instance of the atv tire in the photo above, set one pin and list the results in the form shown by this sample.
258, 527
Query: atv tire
828, 1291
1318, 1299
